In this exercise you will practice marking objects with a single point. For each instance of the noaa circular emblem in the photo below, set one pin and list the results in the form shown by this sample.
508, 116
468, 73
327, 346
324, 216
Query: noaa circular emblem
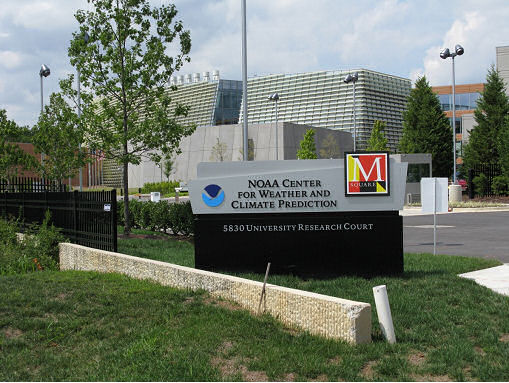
213, 195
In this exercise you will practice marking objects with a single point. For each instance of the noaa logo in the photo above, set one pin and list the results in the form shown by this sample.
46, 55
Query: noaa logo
213, 195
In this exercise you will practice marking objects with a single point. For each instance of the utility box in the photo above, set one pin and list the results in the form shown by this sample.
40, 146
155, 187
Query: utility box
155, 196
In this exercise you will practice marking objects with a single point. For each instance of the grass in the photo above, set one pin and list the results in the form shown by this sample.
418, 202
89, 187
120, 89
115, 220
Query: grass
88, 326
448, 322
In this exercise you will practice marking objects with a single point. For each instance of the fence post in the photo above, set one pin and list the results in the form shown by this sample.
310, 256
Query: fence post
114, 218
470, 183
75, 196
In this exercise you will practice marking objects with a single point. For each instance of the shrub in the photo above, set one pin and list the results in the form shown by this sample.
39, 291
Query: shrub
37, 251
160, 215
145, 216
120, 213
135, 212
8, 230
480, 184
500, 185
41, 245
154, 216
181, 218
165, 187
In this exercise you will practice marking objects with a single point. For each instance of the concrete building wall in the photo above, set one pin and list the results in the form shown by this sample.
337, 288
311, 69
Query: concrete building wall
224, 143
468, 123
503, 65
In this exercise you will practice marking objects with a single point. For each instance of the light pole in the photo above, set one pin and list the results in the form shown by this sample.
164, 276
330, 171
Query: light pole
353, 79
43, 72
244, 80
275, 97
458, 51
85, 39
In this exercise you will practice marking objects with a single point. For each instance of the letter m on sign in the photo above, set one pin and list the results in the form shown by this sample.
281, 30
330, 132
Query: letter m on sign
367, 174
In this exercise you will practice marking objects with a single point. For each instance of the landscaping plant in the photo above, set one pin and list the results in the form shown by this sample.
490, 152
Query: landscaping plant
37, 250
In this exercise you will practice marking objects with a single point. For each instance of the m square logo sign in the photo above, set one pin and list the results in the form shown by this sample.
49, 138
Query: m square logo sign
367, 174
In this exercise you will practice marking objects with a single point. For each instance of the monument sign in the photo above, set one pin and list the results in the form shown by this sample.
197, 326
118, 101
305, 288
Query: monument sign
303, 216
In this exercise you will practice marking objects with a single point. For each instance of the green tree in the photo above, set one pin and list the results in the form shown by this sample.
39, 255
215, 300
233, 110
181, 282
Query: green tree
307, 149
426, 129
58, 135
491, 117
378, 141
504, 148
12, 158
168, 164
126, 66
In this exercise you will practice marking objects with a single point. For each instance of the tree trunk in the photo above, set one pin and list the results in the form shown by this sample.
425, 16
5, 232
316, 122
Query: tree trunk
127, 221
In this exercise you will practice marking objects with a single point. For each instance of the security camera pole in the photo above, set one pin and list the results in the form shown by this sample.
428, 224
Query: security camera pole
445, 54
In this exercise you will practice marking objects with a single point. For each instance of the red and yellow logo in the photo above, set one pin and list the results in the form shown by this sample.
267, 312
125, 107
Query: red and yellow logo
367, 174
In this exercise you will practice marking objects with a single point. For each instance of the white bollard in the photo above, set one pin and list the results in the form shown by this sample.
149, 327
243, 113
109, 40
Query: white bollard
384, 312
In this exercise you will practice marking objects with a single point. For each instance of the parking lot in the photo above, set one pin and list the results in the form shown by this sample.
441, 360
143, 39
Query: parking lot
476, 234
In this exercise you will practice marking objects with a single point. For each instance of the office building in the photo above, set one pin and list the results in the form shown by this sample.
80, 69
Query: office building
466, 102
323, 99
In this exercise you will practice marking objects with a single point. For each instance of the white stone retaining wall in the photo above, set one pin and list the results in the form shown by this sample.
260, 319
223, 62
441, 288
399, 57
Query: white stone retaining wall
319, 314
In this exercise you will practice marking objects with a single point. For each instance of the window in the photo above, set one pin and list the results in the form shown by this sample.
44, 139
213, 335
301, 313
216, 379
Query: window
416, 172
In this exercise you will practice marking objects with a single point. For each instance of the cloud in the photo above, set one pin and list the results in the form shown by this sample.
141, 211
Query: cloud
480, 29
10, 59
42, 15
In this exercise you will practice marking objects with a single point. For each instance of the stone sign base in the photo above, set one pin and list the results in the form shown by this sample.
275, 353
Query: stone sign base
305, 244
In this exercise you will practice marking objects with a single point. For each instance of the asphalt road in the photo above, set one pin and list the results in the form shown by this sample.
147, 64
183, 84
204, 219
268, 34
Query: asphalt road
480, 234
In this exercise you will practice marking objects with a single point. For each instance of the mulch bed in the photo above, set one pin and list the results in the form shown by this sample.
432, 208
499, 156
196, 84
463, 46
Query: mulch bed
494, 199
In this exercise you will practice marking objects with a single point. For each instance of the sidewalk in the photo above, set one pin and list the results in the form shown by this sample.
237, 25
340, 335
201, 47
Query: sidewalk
407, 211
494, 278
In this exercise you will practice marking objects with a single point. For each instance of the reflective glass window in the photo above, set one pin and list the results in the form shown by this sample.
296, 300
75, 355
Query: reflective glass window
416, 172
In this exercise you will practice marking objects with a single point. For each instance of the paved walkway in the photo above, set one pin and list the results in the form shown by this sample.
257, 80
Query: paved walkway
495, 278
408, 211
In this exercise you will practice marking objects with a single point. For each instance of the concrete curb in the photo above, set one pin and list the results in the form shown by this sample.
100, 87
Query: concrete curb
322, 315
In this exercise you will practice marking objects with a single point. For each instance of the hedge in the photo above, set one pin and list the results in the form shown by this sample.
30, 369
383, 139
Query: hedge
165, 187
159, 216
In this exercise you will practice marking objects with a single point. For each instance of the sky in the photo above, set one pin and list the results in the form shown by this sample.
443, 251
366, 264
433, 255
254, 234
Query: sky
401, 38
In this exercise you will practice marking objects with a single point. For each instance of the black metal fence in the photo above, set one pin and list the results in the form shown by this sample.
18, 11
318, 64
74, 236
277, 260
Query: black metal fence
29, 184
490, 171
86, 218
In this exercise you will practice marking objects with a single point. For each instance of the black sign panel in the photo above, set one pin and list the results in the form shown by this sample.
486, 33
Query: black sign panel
307, 244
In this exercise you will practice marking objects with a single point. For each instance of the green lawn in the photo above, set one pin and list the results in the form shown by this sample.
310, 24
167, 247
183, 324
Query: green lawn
88, 326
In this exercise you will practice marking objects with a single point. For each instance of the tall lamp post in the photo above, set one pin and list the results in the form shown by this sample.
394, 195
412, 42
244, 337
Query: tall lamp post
275, 97
353, 79
43, 72
244, 81
85, 39
458, 51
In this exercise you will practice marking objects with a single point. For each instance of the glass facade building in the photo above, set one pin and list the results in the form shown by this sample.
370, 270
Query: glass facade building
464, 101
466, 96
323, 99
215, 102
